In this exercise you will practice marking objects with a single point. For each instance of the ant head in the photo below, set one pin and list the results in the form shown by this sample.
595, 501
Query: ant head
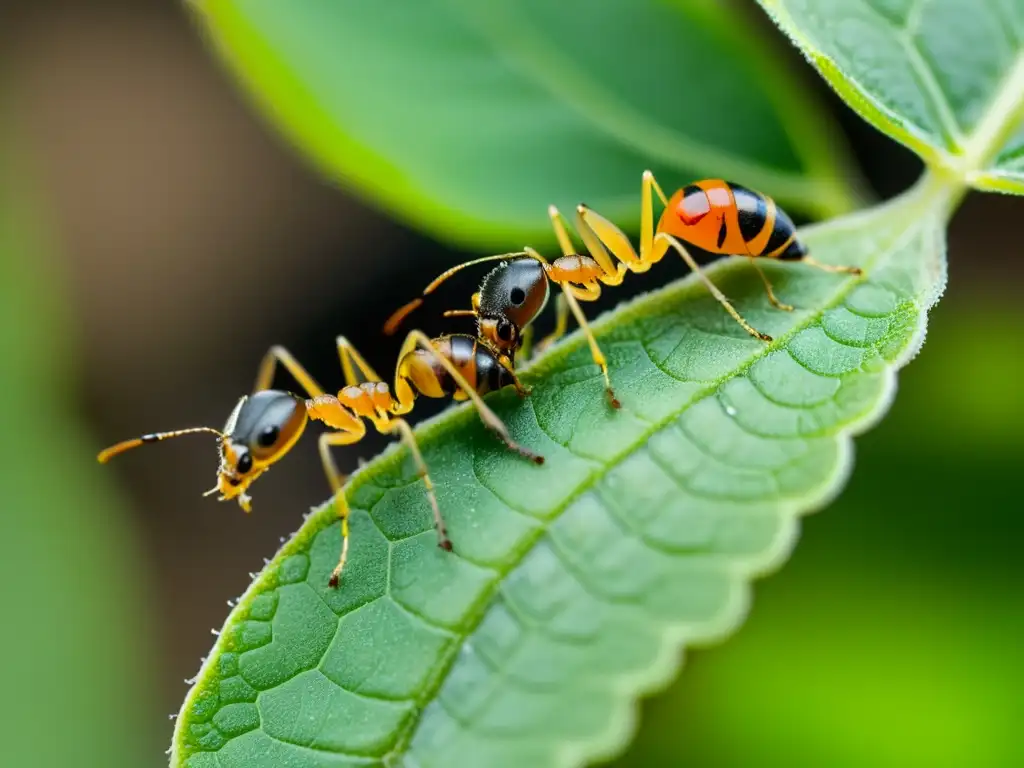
511, 296
260, 431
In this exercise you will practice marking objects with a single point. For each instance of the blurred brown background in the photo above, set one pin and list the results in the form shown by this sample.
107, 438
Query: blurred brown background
192, 238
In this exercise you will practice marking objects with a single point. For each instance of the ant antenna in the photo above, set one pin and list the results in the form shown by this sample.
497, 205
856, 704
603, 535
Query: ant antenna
126, 445
401, 313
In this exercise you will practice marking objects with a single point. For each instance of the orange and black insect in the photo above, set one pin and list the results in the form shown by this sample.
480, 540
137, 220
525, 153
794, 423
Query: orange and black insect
265, 425
714, 215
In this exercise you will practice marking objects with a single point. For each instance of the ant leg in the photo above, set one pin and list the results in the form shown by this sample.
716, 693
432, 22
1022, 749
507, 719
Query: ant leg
599, 234
279, 355
651, 252
487, 416
719, 296
402, 426
561, 231
351, 361
647, 185
337, 481
506, 362
561, 304
590, 293
617, 242
831, 267
768, 287
561, 324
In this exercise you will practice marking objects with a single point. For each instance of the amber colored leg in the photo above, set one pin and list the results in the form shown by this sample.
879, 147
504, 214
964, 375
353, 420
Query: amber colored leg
831, 267
601, 236
351, 361
561, 231
487, 416
768, 287
719, 296
337, 481
589, 293
279, 355
402, 426
649, 184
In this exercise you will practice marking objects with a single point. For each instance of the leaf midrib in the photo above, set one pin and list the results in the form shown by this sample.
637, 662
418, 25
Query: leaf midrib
1000, 120
924, 195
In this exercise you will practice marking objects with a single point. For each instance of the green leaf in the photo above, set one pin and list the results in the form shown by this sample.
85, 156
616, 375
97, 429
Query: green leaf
468, 118
832, 669
574, 585
944, 77
74, 642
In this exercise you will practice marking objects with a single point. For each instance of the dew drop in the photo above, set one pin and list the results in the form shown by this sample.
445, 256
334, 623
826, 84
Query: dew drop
730, 410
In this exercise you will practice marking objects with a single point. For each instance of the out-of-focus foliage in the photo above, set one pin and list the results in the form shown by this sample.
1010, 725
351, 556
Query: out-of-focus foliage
574, 586
72, 657
892, 637
470, 118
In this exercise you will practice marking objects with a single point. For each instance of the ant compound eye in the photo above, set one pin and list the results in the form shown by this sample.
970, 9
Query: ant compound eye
517, 296
268, 436
244, 463
505, 330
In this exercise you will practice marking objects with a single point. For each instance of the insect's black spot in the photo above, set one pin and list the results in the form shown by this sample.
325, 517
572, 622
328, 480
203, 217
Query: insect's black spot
268, 436
244, 464
752, 209
504, 330
723, 230
517, 296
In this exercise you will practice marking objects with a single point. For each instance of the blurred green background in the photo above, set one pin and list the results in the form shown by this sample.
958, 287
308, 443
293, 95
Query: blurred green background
156, 237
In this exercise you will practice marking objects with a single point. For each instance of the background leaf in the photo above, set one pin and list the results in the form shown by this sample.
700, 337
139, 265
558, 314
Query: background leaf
944, 77
72, 650
573, 585
469, 118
